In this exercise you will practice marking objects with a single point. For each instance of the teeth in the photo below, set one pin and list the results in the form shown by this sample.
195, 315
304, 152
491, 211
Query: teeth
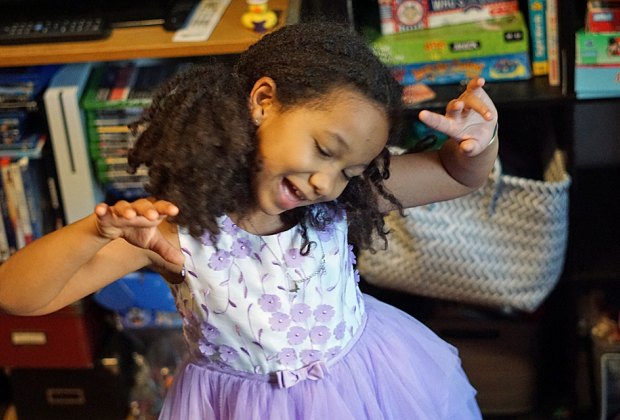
298, 193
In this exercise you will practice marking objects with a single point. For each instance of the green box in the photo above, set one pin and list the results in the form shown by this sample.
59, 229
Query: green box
597, 47
502, 36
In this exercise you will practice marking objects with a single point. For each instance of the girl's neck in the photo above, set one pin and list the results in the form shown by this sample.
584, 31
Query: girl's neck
261, 224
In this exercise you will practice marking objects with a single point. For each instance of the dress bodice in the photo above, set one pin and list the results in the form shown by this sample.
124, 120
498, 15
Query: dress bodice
255, 304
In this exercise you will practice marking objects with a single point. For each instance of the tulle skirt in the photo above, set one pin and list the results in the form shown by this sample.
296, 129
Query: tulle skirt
397, 369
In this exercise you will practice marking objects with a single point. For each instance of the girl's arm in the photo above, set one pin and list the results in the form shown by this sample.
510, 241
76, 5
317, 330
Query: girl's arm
463, 163
79, 259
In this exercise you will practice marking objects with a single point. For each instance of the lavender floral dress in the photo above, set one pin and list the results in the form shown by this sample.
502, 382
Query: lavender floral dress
270, 331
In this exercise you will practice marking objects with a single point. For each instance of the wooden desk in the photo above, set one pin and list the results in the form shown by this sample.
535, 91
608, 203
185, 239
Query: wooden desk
229, 37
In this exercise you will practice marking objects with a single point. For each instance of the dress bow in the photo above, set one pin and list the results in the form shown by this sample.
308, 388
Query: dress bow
314, 371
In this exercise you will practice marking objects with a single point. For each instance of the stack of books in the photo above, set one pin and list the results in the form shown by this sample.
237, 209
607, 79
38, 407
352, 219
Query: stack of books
115, 97
544, 39
444, 42
496, 49
406, 15
21, 128
597, 51
24, 194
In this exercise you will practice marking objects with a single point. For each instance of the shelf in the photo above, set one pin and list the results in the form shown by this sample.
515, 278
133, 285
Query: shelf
594, 249
533, 92
229, 37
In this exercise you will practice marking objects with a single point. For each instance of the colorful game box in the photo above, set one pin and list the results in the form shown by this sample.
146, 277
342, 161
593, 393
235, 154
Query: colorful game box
597, 48
497, 49
407, 15
603, 16
494, 68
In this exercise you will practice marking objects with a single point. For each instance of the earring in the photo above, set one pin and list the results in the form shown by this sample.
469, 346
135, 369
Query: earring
257, 121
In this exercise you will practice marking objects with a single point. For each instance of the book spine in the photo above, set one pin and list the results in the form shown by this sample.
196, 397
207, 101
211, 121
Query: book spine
553, 41
7, 212
125, 79
32, 191
537, 11
5, 248
10, 193
23, 213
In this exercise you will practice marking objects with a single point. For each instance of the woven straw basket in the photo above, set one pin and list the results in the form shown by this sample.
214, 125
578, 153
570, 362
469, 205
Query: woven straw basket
502, 246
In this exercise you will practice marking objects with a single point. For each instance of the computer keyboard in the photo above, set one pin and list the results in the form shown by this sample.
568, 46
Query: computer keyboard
54, 30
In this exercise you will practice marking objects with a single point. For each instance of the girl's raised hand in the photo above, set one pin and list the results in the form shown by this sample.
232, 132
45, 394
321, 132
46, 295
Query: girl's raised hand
137, 222
470, 119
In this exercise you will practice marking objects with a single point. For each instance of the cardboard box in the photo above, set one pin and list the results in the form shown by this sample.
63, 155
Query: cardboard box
64, 339
597, 81
603, 16
408, 15
504, 36
495, 68
597, 48
496, 49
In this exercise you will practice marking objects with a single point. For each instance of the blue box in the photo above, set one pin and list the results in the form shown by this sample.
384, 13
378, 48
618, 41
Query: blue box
597, 81
492, 68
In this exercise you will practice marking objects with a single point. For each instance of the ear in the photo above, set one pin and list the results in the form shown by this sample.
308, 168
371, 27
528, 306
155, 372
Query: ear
262, 98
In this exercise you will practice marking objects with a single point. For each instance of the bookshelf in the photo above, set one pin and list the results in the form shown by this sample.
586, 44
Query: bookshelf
229, 37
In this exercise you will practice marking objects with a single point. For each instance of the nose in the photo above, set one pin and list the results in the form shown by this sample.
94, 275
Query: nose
326, 184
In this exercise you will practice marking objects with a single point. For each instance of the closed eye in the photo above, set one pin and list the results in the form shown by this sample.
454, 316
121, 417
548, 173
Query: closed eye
321, 150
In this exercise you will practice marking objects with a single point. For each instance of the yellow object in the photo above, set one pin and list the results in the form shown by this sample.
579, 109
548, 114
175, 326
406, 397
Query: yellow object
258, 17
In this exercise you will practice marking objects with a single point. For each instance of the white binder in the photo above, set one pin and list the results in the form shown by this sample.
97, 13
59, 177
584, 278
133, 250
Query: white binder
78, 187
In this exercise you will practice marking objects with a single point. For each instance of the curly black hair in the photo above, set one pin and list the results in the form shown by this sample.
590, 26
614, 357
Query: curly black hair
200, 144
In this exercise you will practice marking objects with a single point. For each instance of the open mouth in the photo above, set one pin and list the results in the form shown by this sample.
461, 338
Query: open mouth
294, 191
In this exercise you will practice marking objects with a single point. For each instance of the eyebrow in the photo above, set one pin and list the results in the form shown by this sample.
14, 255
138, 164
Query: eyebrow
339, 139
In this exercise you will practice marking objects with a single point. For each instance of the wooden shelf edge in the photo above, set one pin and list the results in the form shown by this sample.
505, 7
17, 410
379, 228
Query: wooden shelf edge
229, 37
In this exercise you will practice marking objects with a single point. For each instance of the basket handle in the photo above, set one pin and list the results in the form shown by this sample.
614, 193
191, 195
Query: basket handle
496, 186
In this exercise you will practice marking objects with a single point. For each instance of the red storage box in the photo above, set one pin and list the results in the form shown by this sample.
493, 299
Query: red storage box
64, 339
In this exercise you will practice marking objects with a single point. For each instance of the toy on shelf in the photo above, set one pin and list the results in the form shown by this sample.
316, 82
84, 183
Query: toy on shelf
259, 17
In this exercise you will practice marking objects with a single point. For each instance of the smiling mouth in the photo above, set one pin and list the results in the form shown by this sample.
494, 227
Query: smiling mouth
296, 192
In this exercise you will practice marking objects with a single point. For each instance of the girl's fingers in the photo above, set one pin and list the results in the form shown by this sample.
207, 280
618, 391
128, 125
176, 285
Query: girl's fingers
101, 209
435, 121
476, 83
477, 99
166, 207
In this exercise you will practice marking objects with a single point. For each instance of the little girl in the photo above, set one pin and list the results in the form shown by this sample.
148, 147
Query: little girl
263, 179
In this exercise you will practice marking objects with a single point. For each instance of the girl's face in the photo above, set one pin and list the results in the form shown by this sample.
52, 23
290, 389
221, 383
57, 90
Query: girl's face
308, 153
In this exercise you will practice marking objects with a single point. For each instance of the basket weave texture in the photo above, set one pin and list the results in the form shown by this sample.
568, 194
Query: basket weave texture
501, 246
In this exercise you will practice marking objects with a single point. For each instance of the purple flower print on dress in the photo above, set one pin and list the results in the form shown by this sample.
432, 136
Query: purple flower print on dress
269, 303
352, 257
228, 354
333, 352
292, 258
296, 335
220, 260
300, 312
206, 240
279, 321
207, 349
327, 234
356, 275
241, 248
340, 330
324, 313
209, 331
309, 356
287, 356
319, 334
229, 227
